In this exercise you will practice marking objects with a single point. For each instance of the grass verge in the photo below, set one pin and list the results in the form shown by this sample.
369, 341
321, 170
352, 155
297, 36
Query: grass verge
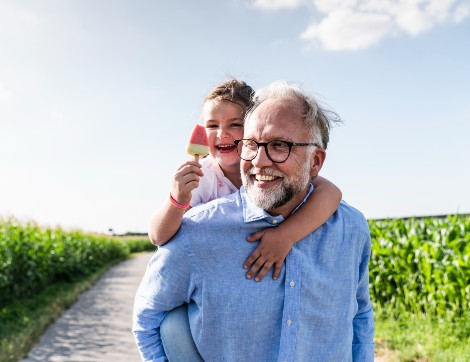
424, 339
24, 321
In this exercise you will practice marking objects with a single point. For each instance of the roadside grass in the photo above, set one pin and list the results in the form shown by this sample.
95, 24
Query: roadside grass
43, 271
23, 322
420, 339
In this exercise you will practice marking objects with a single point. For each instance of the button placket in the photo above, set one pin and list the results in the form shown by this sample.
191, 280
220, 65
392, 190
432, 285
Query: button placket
291, 305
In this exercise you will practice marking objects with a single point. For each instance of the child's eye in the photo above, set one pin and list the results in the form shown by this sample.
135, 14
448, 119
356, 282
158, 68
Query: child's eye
237, 124
212, 126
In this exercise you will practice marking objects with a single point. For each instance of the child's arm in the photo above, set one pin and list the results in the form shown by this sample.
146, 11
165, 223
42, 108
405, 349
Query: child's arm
166, 221
275, 243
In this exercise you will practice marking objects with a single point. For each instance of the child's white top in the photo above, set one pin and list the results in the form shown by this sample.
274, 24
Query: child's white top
212, 185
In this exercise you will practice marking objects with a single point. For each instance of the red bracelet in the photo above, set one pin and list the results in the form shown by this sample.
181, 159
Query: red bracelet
177, 204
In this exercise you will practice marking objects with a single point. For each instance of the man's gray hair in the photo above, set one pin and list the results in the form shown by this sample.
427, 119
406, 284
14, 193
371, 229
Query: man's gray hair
317, 118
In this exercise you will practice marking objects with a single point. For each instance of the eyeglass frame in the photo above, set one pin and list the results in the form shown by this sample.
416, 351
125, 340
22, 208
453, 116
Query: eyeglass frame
265, 145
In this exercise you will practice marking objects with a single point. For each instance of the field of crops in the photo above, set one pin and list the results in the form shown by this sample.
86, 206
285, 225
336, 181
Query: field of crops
418, 266
32, 257
421, 266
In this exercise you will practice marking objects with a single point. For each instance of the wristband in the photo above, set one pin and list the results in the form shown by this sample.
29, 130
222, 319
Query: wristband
177, 204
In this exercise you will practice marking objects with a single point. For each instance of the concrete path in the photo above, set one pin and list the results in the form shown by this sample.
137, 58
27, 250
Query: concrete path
97, 328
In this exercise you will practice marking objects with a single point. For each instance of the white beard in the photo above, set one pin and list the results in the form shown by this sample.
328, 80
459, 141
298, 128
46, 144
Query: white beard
272, 198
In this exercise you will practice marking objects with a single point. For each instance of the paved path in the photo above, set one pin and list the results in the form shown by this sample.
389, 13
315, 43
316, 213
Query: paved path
97, 328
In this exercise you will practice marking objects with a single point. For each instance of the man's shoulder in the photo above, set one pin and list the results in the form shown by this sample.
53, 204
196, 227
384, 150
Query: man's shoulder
206, 223
211, 209
351, 216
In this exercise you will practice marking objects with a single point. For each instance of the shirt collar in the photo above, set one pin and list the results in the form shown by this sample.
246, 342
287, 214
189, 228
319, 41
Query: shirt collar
251, 212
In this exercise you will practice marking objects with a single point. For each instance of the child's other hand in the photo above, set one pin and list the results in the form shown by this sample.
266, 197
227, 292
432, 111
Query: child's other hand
272, 250
185, 179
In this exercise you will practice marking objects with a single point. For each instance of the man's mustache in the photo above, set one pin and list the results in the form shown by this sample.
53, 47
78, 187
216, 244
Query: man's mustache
264, 171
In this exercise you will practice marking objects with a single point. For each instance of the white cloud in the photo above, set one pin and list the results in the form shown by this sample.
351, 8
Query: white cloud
412, 20
358, 24
328, 6
277, 4
461, 12
344, 30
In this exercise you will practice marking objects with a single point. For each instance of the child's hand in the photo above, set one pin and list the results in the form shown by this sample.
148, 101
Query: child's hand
272, 250
185, 179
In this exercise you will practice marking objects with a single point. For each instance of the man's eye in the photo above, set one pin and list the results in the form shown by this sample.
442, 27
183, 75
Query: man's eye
237, 125
279, 146
212, 126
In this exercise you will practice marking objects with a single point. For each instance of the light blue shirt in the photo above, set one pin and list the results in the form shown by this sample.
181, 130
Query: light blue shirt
318, 310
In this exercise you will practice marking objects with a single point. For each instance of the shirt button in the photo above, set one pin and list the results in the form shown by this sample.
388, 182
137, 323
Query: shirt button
275, 221
292, 284
289, 322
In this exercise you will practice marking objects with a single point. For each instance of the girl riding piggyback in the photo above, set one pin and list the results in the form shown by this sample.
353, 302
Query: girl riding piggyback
218, 174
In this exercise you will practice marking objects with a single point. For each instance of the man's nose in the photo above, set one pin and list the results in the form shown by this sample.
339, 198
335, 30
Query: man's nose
261, 160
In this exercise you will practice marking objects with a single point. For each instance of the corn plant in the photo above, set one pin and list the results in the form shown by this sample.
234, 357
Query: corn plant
421, 266
32, 257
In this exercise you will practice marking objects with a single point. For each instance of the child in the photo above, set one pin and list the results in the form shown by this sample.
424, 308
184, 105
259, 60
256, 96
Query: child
219, 174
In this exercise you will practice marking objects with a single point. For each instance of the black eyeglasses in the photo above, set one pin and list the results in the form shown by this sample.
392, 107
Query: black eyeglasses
277, 151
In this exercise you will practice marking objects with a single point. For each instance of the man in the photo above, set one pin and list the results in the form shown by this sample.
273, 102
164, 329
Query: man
319, 308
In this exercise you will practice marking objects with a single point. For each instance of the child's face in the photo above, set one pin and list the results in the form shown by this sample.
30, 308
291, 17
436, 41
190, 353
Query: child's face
223, 121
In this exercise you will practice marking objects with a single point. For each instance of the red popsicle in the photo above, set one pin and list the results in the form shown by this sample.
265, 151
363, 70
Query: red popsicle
198, 145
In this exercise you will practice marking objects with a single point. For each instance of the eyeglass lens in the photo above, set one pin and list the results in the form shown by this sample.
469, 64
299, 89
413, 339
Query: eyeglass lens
277, 151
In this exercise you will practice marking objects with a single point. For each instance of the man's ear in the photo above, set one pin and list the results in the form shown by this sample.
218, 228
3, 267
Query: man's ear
318, 158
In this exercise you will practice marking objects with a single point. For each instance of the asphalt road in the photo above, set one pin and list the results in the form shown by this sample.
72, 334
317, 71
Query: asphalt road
98, 326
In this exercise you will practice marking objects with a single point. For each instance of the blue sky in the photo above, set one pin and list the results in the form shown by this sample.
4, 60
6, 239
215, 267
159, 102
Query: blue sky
98, 98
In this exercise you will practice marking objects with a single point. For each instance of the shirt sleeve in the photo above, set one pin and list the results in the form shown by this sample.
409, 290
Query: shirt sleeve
165, 286
363, 322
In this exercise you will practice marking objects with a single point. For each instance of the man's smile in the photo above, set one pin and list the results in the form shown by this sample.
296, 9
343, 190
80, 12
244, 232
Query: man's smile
265, 179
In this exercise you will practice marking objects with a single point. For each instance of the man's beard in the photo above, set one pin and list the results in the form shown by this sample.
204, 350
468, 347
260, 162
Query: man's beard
272, 198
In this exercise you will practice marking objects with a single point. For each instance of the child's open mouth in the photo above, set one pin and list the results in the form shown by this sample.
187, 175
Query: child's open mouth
225, 148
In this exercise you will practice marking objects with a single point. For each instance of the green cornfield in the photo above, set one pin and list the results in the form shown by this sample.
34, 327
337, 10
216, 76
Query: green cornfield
421, 266
32, 257
418, 266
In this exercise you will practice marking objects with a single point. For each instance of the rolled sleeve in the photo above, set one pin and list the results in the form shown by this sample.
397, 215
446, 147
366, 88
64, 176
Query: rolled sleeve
363, 323
146, 329
363, 339
164, 287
